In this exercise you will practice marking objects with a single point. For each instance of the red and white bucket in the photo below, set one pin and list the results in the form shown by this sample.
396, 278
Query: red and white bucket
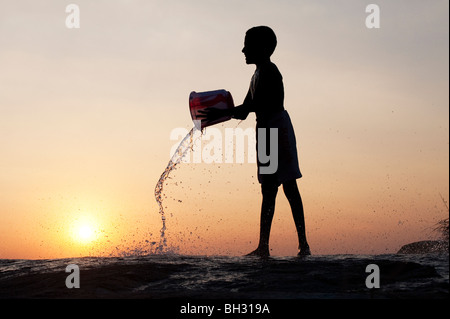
219, 99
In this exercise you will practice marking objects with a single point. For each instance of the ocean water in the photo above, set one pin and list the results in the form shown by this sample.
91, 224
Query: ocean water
169, 276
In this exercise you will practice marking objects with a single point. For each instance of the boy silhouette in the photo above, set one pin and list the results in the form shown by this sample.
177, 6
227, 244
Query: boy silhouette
265, 97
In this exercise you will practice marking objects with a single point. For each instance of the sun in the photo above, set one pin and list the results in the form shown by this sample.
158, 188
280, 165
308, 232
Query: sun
84, 231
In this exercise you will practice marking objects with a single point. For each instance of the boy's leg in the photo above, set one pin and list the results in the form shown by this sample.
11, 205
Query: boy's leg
295, 201
269, 193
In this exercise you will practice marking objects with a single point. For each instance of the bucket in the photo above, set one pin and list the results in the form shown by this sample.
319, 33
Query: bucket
219, 99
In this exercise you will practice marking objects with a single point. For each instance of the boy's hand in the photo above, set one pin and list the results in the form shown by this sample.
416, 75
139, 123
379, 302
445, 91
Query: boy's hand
211, 114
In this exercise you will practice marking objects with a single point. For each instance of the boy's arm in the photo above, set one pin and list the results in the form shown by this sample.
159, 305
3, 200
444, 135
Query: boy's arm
241, 112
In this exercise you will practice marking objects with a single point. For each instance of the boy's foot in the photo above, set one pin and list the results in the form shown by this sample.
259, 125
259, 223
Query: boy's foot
304, 251
263, 253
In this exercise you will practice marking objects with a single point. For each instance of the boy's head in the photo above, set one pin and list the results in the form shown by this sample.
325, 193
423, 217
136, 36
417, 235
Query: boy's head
260, 42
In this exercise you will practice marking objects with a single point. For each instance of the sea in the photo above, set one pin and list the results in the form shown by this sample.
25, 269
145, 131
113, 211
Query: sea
171, 275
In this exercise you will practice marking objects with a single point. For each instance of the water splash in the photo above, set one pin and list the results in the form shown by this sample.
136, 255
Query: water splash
185, 145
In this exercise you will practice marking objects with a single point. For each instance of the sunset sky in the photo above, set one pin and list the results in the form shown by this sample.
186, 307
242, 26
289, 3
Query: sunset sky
86, 116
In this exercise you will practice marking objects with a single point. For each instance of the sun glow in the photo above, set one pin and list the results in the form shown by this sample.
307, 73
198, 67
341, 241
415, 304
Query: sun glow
84, 231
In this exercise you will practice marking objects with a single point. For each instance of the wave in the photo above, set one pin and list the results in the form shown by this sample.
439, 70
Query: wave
210, 277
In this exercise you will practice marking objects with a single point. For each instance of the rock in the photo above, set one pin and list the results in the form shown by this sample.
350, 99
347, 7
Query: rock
425, 247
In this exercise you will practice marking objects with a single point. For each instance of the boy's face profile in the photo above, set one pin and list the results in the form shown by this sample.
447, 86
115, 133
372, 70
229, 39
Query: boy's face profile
253, 51
250, 51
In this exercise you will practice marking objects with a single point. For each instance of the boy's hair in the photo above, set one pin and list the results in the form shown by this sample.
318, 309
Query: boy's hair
264, 37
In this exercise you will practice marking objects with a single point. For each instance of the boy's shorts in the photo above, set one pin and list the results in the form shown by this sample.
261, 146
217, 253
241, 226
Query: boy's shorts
288, 168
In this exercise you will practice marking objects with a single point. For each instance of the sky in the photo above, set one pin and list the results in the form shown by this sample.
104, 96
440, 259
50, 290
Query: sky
87, 115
